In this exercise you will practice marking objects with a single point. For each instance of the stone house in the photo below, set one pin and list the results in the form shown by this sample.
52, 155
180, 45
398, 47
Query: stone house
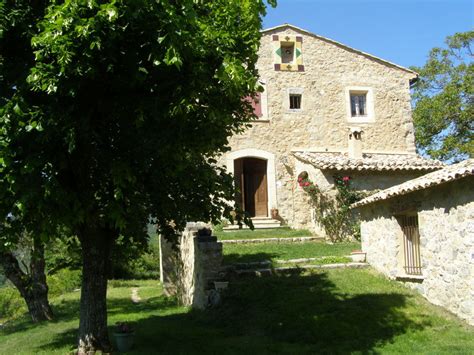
422, 233
326, 109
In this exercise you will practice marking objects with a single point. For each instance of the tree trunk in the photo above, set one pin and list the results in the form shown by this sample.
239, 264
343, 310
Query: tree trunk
32, 286
96, 245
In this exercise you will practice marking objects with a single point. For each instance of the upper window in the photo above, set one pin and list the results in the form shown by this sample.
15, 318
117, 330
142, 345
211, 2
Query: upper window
288, 53
295, 101
360, 104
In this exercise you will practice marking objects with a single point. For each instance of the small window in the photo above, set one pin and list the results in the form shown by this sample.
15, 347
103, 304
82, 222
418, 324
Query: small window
287, 52
358, 104
411, 244
295, 101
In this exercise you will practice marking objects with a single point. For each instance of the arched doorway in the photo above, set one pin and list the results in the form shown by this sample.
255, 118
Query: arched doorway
251, 178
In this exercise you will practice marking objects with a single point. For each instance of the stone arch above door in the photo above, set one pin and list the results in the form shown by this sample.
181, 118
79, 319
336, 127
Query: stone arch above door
271, 173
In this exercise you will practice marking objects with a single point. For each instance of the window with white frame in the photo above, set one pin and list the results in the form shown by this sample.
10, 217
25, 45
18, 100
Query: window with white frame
294, 99
360, 104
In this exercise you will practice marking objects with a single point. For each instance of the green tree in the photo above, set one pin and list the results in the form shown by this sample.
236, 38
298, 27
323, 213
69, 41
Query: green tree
443, 98
115, 115
24, 266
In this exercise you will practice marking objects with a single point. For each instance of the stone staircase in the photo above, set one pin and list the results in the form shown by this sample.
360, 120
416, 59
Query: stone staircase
258, 223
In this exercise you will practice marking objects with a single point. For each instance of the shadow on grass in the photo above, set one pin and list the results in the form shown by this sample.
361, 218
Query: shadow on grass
290, 314
285, 314
122, 306
235, 258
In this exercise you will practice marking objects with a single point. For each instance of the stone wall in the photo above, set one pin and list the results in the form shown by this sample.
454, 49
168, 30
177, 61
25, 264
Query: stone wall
322, 123
188, 272
446, 226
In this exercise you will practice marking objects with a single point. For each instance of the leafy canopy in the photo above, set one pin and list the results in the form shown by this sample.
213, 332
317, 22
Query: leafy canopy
117, 110
444, 100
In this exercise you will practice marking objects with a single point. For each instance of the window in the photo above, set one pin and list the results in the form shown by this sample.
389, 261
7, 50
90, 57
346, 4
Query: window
411, 244
358, 105
288, 53
295, 101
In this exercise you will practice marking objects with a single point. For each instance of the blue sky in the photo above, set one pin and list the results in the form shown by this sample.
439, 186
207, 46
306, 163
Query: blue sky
401, 31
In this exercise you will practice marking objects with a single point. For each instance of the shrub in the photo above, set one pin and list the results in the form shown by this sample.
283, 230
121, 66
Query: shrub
137, 261
64, 280
11, 303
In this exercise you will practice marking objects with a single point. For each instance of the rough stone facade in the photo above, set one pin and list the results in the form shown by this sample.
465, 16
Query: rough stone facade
323, 122
446, 228
188, 273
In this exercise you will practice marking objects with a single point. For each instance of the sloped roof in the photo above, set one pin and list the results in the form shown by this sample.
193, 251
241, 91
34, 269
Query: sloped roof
368, 162
328, 40
449, 173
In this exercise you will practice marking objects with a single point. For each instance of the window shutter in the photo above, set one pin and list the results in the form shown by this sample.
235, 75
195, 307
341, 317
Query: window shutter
257, 105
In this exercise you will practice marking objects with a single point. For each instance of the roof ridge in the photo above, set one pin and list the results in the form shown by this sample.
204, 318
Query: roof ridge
339, 44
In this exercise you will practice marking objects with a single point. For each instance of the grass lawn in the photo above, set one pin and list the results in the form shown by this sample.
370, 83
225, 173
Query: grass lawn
336, 311
244, 253
283, 232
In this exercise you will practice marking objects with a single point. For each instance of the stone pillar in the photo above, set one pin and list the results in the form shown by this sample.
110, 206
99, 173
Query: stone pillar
189, 272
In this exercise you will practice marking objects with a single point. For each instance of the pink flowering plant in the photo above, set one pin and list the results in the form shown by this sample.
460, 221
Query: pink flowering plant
123, 328
333, 212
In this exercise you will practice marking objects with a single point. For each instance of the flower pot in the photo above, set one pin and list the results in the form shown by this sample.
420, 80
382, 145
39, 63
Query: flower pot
274, 213
124, 341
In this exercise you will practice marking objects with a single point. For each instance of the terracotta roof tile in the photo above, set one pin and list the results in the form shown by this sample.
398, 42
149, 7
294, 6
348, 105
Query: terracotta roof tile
368, 162
449, 173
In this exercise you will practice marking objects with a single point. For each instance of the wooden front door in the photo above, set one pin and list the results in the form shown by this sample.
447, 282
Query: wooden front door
251, 179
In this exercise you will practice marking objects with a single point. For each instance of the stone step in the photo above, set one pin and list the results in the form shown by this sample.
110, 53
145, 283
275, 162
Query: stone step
272, 240
258, 223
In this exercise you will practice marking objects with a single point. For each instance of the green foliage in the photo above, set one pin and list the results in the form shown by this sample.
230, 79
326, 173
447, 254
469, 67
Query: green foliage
119, 109
62, 253
443, 100
136, 262
63, 281
333, 212
11, 303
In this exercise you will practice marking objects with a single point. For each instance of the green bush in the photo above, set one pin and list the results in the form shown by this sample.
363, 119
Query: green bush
64, 280
144, 264
11, 303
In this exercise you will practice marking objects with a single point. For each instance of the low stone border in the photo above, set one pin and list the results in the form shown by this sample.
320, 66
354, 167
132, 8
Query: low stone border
286, 269
271, 240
